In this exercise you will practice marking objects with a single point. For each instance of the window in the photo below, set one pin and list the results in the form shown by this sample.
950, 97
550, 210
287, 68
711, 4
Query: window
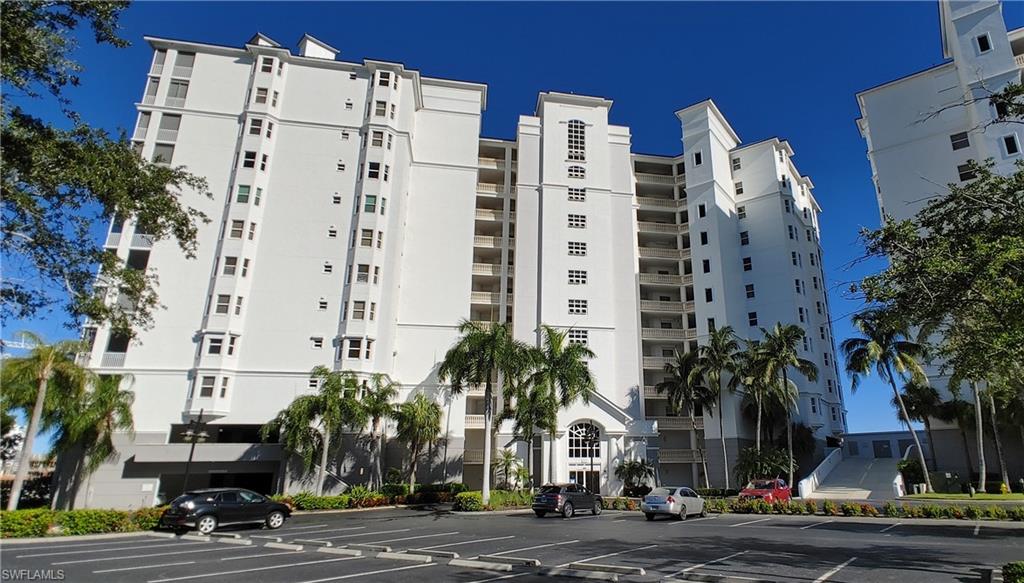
370, 203
369, 348
750, 291
711, 324
348, 107
965, 172
818, 306
264, 160
355, 346
392, 111
703, 237
578, 336
808, 234
321, 305
230, 265
814, 282
273, 100
380, 239
159, 58
313, 383
169, 125
245, 267
739, 188
792, 255
578, 194
745, 238
752, 318
577, 221
709, 296
792, 231
812, 259
577, 306
377, 139
736, 164
577, 277
231, 347
344, 135
252, 231
387, 172
255, 127
249, 160
960, 141
383, 204
243, 193
336, 199
376, 274
206, 386
373, 312
747, 264
163, 154
698, 158
829, 383
236, 229
223, 304
358, 310
702, 210
577, 140
177, 91
805, 344
390, 137
577, 172
373, 170
741, 212
577, 248
238, 305
328, 267
267, 65
380, 108
363, 273
706, 265
833, 408
262, 93
151, 88
825, 358
797, 283
383, 78
788, 206
814, 405
332, 232
584, 441
215, 346
340, 166
1010, 145
800, 313
984, 44
316, 342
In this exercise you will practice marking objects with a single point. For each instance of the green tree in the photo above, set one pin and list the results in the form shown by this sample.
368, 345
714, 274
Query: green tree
757, 388
990, 393
48, 371
922, 402
716, 358
311, 425
528, 407
561, 370
685, 389
770, 462
885, 345
959, 412
419, 424
484, 354
507, 466
58, 184
780, 353
377, 402
634, 473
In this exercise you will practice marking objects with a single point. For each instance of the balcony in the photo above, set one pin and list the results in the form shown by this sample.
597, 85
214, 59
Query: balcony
163, 135
678, 456
486, 269
475, 422
657, 362
113, 240
679, 424
666, 279
661, 203
658, 306
476, 456
491, 242
493, 215
667, 334
141, 241
660, 253
1019, 59
667, 228
657, 179
491, 163
489, 188
140, 133
112, 359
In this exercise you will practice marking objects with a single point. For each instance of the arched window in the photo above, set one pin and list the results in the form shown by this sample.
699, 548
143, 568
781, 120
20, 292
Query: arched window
577, 172
584, 441
577, 140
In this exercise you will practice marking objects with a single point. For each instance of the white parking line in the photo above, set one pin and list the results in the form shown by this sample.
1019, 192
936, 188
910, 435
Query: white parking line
689, 520
834, 570
469, 542
695, 567
367, 573
247, 557
565, 542
890, 527
499, 578
608, 555
363, 534
749, 522
287, 528
144, 567
166, 544
124, 557
818, 524
394, 540
285, 566
307, 533
977, 527
132, 539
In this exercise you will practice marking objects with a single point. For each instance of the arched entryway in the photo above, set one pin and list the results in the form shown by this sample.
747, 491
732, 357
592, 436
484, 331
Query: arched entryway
585, 461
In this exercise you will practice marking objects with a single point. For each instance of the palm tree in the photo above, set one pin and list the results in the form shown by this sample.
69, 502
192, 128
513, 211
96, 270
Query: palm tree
885, 345
561, 370
959, 412
527, 407
922, 402
376, 402
419, 423
310, 423
506, 465
717, 357
780, 353
634, 473
758, 389
685, 388
483, 353
989, 393
45, 367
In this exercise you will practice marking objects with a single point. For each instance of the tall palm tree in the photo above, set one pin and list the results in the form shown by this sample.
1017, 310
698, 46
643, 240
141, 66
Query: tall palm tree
527, 406
922, 402
780, 353
561, 369
960, 412
45, 367
990, 392
312, 423
716, 358
419, 424
757, 388
484, 353
377, 404
885, 345
685, 388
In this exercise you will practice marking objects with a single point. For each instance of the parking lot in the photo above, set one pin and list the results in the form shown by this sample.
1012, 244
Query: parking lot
427, 545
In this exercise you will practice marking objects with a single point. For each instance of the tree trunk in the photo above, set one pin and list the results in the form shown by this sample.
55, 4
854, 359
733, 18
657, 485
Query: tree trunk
913, 434
789, 427
967, 448
415, 450
529, 460
25, 459
757, 436
931, 442
322, 472
999, 444
721, 434
488, 414
980, 436
378, 446
703, 458
551, 454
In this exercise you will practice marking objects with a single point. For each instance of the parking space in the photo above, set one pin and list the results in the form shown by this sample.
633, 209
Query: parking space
418, 545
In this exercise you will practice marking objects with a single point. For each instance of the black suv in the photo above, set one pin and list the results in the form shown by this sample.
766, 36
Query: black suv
207, 509
565, 499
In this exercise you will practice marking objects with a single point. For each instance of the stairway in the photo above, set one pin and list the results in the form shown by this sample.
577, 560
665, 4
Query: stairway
859, 479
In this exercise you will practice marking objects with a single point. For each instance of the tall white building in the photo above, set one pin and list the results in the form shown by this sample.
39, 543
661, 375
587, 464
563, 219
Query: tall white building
921, 130
357, 217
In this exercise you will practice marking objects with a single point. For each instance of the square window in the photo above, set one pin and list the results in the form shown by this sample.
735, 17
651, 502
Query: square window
348, 107
328, 268
230, 265
383, 78
745, 238
709, 296
237, 227
267, 65
960, 141
1010, 145
373, 170
577, 172
370, 203
377, 139
255, 127
703, 237
261, 94
358, 310
332, 233
321, 305
578, 194
223, 304
344, 135
739, 188
578, 336
177, 91
366, 238
752, 318
313, 383
215, 346
577, 248
747, 264
380, 109
750, 291
243, 193
741, 212
206, 386
577, 221
163, 153
577, 306
577, 277
340, 166
316, 342
965, 172
355, 346
336, 199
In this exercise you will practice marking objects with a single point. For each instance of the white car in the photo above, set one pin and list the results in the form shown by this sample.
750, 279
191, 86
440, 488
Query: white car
677, 501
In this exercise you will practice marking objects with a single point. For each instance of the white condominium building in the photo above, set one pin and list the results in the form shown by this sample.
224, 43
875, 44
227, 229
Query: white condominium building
921, 131
357, 217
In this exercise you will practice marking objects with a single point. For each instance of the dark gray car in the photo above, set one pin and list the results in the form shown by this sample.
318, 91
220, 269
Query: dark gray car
565, 499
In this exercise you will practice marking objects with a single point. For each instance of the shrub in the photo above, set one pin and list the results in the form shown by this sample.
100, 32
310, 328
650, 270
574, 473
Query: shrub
75, 522
911, 511
868, 510
358, 493
973, 512
468, 502
829, 508
309, 501
912, 472
392, 476
716, 505
752, 464
891, 510
1016, 513
996, 512
509, 499
1013, 572
26, 523
932, 511
810, 507
954, 512
850, 509
147, 518
394, 490
717, 492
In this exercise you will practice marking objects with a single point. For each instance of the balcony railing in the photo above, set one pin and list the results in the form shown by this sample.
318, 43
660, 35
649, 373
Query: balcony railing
490, 188
678, 456
493, 215
491, 242
167, 135
1019, 59
679, 423
667, 333
479, 297
659, 306
669, 228
657, 362
486, 269
491, 163
668, 279
655, 178
180, 71
668, 203
113, 359
142, 241
476, 456
659, 253
113, 240
475, 422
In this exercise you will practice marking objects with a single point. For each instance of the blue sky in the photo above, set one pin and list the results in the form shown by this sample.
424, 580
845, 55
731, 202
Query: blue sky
774, 69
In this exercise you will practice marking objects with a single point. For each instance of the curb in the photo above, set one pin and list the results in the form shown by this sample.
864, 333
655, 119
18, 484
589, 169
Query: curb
487, 566
510, 560
266, 537
225, 535
371, 548
343, 510
621, 569
84, 537
406, 557
314, 542
235, 541
992, 575
579, 574
337, 551
281, 545
433, 553
196, 537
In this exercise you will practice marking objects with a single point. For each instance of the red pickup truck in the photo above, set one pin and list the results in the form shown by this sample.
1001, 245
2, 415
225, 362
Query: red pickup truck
768, 490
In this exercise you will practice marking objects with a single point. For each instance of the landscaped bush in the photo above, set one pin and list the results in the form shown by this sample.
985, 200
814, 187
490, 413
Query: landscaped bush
394, 490
829, 508
973, 512
1013, 572
868, 510
850, 509
44, 522
997, 512
508, 499
810, 507
92, 521
717, 492
891, 510
26, 523
468, 502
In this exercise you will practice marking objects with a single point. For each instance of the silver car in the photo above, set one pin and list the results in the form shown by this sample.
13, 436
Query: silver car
677, 501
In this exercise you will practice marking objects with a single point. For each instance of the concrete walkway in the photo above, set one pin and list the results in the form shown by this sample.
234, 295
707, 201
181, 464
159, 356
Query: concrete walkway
859, 479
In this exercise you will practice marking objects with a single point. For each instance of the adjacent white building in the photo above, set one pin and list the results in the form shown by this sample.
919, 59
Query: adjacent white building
357, 217
921, 130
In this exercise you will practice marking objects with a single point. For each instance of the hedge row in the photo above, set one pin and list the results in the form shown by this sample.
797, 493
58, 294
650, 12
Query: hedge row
361, 497
1013, 572
500, 499
44, 522
889, 509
